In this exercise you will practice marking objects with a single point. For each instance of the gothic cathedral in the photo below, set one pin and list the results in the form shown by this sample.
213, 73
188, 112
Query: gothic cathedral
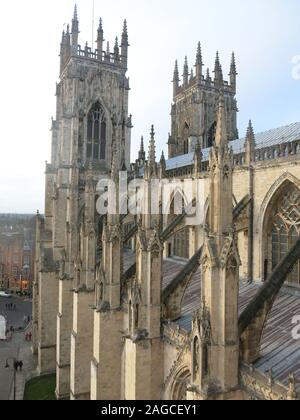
150, 307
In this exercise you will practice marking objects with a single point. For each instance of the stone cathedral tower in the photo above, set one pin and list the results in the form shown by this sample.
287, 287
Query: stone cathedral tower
92, 114
195, 105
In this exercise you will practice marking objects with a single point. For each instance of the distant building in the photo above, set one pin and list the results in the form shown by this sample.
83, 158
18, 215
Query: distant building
17, 244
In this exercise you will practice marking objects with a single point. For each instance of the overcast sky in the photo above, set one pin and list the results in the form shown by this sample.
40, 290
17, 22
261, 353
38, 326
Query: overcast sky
264, 34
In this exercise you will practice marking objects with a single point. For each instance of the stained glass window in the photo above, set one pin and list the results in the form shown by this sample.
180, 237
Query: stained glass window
96, 133
286, 231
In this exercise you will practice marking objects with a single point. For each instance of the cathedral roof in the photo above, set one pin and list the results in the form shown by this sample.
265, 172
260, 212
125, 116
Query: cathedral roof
280, 352
263, 140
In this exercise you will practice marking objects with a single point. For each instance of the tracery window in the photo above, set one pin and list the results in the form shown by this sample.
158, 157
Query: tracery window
286, 231
186, 134
96, 133
182, 243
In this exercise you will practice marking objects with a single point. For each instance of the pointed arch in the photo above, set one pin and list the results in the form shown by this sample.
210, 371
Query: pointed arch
178, 243
180, 384
96, 132
283, 184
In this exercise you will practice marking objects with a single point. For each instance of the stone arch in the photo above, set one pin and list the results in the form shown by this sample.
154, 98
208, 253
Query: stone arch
96, 132
178, 192
98, 99
178, 391
180, 232
284, 181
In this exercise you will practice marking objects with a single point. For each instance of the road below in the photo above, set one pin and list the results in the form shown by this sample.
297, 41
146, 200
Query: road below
12, 348
16, 318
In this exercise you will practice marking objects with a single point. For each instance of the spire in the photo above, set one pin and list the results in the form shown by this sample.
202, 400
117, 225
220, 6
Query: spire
233, 65
100, 40
192, 75
117, 51
107, 54
86, 50
124, 45
63, 38
199, 63
221, 131
218, 71
75, 29
186, 72
68, 42
142, 154
233, 73
125, 30
162, 165
208, 78
250, 145
63, 51
75, 13
221, 166
152, 152
176, 79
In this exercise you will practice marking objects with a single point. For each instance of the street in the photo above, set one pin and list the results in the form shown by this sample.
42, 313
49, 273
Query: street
16, 318
12, 348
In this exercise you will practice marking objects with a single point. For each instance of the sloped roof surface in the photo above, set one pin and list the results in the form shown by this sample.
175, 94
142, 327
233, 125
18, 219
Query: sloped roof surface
265, 139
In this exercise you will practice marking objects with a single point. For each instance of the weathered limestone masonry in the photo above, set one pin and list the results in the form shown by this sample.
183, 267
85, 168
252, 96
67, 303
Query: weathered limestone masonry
143, 348
163, 323
91, 94
195, 105
106, 363
215, 346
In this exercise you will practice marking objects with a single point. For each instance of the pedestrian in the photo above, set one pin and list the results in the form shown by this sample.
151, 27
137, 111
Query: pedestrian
21, 365
16, 365
30, 336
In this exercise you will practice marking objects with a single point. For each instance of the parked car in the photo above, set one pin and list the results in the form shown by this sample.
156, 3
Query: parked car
5, 295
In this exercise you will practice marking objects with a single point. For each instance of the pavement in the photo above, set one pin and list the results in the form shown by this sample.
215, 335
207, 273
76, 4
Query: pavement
17, 347
16, 318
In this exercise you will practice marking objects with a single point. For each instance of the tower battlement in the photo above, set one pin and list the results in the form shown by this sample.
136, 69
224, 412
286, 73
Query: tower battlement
204, 82
71, 48
195, 103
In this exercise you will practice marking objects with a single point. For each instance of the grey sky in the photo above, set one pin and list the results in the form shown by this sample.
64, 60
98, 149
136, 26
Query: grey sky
264, 34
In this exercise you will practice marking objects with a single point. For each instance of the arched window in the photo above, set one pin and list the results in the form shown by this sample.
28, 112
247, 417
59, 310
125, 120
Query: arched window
182, 243
285, 230
96, 133
181, 238
186, 134
211, 135
136, 317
